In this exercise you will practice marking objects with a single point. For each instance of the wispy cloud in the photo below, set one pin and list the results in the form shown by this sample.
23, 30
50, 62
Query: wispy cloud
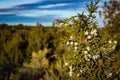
53, 5
56, 13
12, 3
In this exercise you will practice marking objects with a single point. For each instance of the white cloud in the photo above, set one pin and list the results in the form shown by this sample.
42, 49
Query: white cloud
56, 13
53, 5
5, 13
11, 3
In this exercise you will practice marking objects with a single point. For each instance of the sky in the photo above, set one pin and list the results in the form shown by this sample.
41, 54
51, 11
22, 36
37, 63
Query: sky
29, 12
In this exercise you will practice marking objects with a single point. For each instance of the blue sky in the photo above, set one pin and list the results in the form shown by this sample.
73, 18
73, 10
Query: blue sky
29, 12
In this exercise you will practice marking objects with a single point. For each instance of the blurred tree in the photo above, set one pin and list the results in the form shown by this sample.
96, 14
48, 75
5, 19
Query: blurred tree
111, 13
12, 51
41, 38
3, 26
35, 39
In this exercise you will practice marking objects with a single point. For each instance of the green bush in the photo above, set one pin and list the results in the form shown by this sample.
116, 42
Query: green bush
91, 55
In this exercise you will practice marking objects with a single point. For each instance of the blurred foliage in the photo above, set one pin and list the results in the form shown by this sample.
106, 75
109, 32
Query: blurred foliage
111, 13
40, 53
39, 68
13, 45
